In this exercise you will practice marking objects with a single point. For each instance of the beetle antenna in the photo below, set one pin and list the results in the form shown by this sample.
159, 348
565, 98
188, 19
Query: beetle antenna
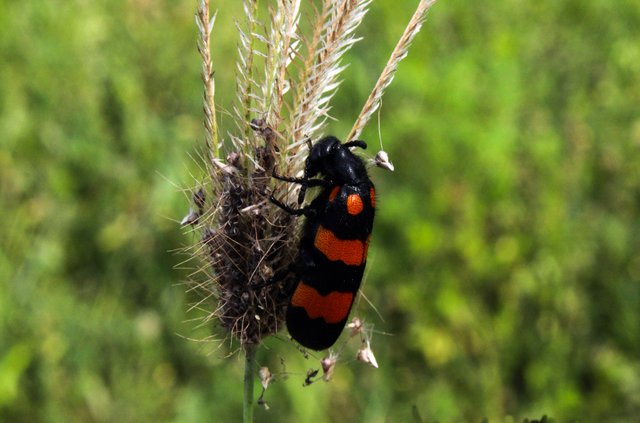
356, 143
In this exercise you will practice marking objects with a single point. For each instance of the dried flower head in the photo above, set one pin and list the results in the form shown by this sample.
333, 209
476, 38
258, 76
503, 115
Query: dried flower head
328, 366
365, 354
265, 377
355, 326
382, 160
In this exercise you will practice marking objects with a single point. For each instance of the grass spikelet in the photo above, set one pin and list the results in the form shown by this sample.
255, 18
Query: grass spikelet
244, 67
205, 26
399, 52
336, 25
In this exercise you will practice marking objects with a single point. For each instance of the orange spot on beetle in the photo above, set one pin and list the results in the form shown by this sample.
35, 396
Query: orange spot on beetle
334, 193
354, 204
333, 308
372, 196
350, 252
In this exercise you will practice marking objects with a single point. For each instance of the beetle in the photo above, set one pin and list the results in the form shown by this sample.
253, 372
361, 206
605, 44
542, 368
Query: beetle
333, 247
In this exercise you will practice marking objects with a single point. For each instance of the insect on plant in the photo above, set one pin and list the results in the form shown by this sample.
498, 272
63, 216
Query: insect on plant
245, 226
333, 248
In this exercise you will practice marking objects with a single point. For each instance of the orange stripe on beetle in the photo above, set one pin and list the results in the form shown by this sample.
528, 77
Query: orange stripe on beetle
372, 196
333, 308
354, 204
350, 252
366, 248
334, 193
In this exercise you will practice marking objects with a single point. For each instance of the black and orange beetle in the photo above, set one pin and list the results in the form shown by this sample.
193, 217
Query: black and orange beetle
333, 248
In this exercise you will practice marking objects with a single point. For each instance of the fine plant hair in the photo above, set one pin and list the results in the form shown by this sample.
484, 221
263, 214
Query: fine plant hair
285, 80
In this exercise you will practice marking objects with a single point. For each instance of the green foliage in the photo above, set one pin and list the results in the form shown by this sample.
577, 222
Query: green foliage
504, 260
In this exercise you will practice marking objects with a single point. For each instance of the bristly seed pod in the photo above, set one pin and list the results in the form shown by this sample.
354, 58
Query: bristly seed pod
248, 245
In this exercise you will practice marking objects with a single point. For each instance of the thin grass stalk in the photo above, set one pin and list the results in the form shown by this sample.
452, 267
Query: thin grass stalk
249, 376
399, 52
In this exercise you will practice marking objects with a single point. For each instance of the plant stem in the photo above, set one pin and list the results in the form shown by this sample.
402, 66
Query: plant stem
249, 374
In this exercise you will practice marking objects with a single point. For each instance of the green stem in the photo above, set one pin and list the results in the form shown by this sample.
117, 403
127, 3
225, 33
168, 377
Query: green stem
249, 375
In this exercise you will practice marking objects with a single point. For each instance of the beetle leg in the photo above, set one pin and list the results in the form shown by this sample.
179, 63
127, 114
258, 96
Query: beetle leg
289, 178
304, 181
304, 211
318, 183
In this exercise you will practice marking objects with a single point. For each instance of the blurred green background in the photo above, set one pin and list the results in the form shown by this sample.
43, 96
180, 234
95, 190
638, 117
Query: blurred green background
505, 260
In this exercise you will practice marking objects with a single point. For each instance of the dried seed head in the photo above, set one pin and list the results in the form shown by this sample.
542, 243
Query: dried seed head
382, 160
365, 354
328, 366
190, 219
355, 325
193, 217
199, 200
265, 377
